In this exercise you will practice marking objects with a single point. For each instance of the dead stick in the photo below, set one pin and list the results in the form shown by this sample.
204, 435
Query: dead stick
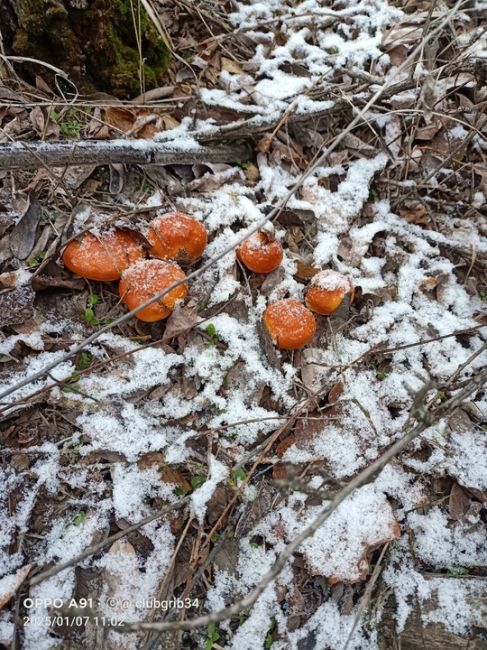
99, 152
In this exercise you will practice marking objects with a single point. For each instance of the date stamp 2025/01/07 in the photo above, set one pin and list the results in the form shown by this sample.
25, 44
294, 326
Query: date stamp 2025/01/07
56, 612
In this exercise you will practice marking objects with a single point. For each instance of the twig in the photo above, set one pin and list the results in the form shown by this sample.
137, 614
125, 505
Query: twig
366, 595
424, 420
96, 548
378, 350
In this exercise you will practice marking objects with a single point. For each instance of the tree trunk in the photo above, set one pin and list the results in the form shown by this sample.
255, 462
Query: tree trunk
95, 42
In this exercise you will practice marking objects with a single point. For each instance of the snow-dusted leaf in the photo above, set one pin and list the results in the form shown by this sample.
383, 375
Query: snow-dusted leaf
16, 305
10, 584
182, 319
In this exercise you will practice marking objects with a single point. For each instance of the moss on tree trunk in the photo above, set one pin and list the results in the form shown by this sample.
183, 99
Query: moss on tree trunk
94, 41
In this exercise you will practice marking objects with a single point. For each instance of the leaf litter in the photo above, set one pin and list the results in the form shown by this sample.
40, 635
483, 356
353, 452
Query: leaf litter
151, 413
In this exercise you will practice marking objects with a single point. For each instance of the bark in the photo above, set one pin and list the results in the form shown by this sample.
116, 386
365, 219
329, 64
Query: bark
95, 42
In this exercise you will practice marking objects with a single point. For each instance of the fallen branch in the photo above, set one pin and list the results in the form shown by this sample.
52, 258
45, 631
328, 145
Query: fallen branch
101, 152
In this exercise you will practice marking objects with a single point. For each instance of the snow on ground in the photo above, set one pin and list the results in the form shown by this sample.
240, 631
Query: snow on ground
156, 401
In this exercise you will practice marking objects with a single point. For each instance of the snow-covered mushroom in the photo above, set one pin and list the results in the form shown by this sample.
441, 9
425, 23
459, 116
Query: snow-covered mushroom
327, 291
289, 323
145, 280
177, 236
261, 253
103, 257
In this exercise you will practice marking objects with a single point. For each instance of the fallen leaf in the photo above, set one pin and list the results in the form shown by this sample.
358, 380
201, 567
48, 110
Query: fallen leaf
230, 66
182, 319
37, 120
305, 271
226, 558
16, 305
335, 393
23, 236
40, 282
119, 117
10, 584
428, 132
458, 503
414, 212
264, 144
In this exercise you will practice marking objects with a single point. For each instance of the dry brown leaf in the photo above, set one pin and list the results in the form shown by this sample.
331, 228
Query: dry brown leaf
182, 319
10, 584
458, 503
217, 504
264, 144
37, 120
230, 66
481, 495
305, 271
305, 430
168, 474
427, 133
398, 54
169, 121
41, 282
414, 212
42, 85
23, 236
336, 392
226, 558
119, 117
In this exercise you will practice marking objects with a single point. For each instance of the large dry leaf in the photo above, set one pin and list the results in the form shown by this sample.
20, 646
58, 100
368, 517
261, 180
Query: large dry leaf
10, 584
23, 236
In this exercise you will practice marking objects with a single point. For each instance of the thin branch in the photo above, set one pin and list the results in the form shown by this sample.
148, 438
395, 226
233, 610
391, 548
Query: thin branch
424, 419
96, 548
366, 595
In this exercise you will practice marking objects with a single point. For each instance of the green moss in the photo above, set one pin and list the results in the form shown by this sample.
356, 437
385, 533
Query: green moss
96, 46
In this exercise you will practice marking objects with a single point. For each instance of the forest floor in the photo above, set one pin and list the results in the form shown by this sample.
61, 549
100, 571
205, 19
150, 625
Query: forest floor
158, 474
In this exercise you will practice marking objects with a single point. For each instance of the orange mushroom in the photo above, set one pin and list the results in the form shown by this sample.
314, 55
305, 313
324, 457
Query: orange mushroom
103, 257
290, 324
177, 236
260, 253
327, 291
145, 280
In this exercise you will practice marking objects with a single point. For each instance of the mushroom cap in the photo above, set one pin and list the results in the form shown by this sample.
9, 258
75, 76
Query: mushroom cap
145, 280
289, 323
103, 257
177, 236
260, 253
327, 290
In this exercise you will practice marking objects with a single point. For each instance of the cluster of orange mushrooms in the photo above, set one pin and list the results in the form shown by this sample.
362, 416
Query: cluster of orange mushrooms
176, 238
